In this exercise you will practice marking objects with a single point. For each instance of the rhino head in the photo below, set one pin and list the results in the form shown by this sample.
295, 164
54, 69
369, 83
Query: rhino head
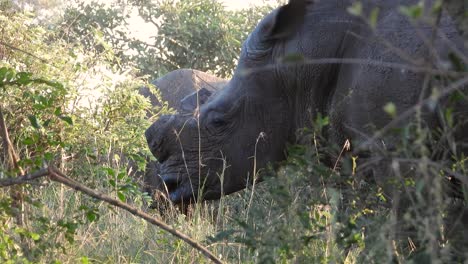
216, 147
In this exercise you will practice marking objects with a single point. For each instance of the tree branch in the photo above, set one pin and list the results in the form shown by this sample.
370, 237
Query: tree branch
24, 179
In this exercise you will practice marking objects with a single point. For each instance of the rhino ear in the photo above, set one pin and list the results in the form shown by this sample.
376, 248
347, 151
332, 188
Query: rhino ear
195, 99
288, 18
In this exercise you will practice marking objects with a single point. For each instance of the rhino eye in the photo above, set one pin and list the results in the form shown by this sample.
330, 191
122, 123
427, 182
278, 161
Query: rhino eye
218, 122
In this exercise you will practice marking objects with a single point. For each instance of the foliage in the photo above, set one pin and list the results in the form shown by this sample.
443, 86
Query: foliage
42, 80
187, 34
97, 27
199, 34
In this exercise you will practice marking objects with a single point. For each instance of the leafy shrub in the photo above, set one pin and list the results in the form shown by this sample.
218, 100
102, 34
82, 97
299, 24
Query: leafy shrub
193, 34
47, 124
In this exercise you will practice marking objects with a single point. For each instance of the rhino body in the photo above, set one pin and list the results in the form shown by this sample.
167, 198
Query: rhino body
177, 87
306, 60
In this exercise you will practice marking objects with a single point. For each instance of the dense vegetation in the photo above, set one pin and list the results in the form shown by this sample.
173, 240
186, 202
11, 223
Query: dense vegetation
69, 79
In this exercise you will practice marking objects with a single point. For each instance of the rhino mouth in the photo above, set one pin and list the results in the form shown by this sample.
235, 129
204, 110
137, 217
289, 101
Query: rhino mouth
179, 189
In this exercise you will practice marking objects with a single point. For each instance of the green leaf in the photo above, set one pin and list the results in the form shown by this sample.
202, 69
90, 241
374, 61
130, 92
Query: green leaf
34, 121
121, 196
39, 106
390, 109
28, 141
121, 175
112, 182
413, 12
35, 236
6, 74
46, 123
109, 171
373, 18
67, 119
91, 216
449, 117
84, 260
3, 71
58, 111
355, 9
48, 156
24, 78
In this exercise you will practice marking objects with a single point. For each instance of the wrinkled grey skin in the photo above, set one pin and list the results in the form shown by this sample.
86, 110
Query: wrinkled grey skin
176, 88
275, 99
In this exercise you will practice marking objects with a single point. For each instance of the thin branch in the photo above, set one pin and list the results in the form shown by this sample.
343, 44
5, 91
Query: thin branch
58, 176
8, 146
23, 51
352, 61
16, 194
23, 179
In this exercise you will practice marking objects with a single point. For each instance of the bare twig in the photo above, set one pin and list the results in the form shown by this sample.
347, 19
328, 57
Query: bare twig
16, 193
58, 176
23, 51
7, 145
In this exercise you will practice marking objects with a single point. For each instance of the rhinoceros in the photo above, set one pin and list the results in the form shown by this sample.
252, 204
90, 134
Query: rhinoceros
178, 88
305, 60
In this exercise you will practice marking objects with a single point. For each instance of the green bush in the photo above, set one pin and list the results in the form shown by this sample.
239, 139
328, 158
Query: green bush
42, 79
